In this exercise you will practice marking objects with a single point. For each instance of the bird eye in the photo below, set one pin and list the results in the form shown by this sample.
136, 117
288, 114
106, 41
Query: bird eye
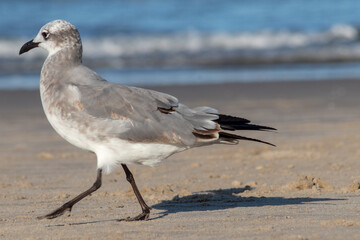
45, 35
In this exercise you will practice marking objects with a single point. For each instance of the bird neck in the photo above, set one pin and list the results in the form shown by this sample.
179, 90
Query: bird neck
59, 63
68, 56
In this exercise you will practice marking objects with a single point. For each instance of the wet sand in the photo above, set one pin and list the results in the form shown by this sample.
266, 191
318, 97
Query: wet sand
305, 188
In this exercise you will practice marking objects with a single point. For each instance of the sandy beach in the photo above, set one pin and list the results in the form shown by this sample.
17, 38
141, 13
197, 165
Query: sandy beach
308, 187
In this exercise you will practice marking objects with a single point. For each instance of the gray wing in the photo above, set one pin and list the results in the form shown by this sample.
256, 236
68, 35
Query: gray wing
142, 115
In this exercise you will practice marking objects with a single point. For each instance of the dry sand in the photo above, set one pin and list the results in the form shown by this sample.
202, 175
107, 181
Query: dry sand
305, 188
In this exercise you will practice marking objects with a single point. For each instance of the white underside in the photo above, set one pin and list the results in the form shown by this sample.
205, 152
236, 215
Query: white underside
117, 151
113, 151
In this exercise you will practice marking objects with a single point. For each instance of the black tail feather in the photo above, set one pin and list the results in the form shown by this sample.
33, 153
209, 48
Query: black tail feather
231, 123
229, 120
231, 138
246, 127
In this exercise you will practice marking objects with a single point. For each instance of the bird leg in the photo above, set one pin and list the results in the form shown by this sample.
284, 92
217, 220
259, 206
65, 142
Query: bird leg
145, 208
68, 205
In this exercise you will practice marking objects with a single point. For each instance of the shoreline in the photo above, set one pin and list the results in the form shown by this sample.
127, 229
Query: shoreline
237, 85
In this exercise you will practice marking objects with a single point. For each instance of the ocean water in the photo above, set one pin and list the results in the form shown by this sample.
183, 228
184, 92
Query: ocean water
190, 41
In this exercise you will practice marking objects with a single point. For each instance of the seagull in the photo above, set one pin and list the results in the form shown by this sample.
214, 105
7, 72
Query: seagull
121, 124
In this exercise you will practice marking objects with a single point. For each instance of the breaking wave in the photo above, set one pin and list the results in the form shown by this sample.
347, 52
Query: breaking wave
338, 43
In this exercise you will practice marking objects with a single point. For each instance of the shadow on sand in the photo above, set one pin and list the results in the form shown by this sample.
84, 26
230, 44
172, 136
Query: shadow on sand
227, 198
214, 200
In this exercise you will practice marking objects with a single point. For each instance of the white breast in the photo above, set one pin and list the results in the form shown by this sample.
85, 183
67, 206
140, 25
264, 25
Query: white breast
110, 151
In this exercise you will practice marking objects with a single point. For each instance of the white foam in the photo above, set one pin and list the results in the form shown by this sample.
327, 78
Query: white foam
339, 42
192, 42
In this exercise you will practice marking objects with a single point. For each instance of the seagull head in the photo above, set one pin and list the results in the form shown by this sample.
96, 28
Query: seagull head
55, 36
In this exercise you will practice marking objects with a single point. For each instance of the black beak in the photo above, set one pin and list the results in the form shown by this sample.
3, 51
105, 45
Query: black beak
28, 46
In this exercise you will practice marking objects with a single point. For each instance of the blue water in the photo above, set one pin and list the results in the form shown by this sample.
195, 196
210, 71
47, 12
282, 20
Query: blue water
191, 41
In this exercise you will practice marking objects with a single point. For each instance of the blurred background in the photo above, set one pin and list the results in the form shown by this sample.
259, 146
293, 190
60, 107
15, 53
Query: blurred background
156, 42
